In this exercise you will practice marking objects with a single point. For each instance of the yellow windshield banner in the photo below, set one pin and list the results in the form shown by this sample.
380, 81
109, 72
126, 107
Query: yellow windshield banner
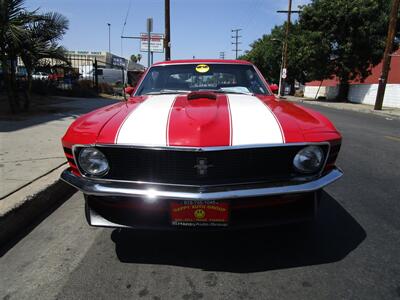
202, 68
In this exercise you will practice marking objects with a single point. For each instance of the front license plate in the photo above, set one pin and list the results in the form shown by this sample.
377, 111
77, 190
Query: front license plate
199, 213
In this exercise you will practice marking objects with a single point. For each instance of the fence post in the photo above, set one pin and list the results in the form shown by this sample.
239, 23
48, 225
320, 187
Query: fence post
96, 78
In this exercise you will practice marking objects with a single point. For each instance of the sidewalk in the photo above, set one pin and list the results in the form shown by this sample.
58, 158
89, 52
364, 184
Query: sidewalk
364, 108
32, 158
30, 146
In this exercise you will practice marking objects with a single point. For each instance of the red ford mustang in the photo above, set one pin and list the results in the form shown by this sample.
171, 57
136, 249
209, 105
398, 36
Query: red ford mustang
201, 143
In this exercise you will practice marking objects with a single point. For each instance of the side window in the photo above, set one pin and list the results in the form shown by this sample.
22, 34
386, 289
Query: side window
151, 82
254, 82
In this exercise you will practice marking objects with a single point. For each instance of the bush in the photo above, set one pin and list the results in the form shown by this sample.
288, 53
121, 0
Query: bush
81, 88
106, 88
299, 93
43, 87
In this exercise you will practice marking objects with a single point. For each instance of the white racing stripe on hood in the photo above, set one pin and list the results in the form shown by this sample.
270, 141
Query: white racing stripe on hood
147, 124
253, 122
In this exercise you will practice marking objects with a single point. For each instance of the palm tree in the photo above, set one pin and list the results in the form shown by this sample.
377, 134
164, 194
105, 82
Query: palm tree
13, 20
41, 43
30, 35
134, 58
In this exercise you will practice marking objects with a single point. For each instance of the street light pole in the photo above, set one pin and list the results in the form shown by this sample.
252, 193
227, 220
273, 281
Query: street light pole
280, 72
109, 37
285, 49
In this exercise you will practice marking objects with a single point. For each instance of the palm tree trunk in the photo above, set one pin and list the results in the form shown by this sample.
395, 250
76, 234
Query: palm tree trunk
11, 92
14, 87
28, 91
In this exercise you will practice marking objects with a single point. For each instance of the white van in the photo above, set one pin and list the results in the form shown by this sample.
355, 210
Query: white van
108, 75
111, 76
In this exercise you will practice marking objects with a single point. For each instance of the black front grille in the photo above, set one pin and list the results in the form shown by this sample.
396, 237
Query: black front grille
184, 167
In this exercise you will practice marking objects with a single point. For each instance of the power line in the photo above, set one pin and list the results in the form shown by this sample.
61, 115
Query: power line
236, 41
126, 17
123, 26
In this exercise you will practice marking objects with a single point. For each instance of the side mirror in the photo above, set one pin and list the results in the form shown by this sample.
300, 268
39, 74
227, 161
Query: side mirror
274, 88
129, 90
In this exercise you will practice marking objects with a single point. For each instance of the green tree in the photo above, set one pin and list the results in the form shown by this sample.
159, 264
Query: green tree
305, 61
353, 34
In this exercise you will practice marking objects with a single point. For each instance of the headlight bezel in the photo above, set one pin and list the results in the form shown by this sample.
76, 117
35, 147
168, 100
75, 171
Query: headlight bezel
318, 151
84, 170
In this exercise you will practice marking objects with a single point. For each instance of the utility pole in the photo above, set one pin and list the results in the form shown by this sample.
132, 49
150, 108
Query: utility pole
285, 46
222, 55
236, 42
109, 37
167, 40
149, 30
386, 56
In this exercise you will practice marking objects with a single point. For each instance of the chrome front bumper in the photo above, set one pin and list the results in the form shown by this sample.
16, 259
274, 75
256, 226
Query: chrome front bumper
100, 187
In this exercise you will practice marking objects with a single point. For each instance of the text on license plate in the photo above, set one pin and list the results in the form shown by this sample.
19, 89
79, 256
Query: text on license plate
195, 213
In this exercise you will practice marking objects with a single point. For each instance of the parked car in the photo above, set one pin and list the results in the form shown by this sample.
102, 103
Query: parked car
40, 76
201, 143
56, 76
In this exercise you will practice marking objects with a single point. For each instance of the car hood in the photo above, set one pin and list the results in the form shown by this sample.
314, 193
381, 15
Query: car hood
206, 121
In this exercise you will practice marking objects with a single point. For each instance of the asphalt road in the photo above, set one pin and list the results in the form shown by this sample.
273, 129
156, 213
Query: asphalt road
352, 252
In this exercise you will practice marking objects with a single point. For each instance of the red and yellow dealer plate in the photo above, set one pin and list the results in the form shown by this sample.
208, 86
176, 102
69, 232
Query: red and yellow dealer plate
203, 213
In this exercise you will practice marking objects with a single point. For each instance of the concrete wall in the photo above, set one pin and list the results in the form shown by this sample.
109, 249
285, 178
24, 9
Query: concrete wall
359, 93
328, 92
366, 94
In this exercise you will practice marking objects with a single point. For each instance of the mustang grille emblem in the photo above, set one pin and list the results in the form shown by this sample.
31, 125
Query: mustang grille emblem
202, 166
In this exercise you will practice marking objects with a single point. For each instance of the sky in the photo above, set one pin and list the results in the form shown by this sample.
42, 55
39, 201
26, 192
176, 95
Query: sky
199, 28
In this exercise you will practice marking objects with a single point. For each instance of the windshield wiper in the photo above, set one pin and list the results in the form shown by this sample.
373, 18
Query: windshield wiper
166, 91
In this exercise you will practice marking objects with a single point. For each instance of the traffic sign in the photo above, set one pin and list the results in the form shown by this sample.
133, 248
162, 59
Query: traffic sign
156, 42
284, 73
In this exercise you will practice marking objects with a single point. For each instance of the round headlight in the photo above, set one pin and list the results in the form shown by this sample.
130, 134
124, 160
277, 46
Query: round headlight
309, 159
93, 162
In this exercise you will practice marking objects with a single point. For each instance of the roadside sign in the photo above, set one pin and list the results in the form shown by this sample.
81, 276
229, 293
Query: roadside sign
156, 42
284, 73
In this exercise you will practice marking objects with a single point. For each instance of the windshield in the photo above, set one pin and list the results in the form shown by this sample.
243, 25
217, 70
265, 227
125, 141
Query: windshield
222, 78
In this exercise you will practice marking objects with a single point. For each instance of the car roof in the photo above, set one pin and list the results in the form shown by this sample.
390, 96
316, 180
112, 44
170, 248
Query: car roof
203, 61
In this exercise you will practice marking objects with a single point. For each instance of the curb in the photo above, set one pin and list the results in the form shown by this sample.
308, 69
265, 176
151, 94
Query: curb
27, 207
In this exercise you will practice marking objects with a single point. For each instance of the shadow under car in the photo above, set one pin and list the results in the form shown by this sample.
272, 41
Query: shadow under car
333, 235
